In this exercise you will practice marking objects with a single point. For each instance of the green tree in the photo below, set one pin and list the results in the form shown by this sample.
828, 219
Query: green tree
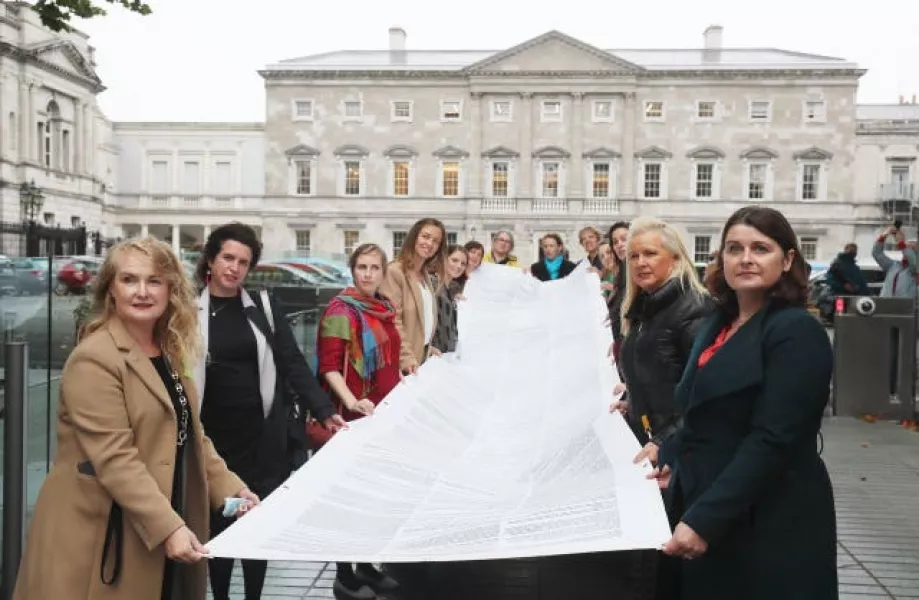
56, 14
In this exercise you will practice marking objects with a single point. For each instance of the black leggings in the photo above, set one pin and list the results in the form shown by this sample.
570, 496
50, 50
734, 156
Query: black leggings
221, 569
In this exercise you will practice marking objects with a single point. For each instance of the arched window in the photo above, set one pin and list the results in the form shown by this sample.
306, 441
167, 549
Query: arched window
51, 148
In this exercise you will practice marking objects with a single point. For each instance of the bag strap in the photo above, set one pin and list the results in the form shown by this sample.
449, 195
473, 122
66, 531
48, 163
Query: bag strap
266, 308
114, 542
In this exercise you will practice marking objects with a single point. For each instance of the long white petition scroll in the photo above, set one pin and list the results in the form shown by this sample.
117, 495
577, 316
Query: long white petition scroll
504, 449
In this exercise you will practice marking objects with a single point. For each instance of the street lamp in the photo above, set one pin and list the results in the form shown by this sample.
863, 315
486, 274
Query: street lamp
31, 200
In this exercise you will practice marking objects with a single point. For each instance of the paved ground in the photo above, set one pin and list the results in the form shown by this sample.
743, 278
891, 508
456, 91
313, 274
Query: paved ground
875, 470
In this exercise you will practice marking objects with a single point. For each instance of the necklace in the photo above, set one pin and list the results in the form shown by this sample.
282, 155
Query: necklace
218, 309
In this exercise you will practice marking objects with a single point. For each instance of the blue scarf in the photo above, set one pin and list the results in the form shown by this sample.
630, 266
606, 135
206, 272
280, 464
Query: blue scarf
553, 265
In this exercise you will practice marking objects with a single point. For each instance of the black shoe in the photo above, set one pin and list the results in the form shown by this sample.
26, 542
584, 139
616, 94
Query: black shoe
379, 581
362, 592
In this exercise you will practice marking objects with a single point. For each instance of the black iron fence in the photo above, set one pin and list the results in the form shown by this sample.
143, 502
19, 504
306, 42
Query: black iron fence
34, 239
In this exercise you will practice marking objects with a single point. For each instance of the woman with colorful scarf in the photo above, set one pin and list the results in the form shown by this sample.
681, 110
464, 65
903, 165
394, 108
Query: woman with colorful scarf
358, 350
552, 263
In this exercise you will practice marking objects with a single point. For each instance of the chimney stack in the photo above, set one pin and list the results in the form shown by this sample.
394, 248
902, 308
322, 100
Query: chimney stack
397, 39
712, 37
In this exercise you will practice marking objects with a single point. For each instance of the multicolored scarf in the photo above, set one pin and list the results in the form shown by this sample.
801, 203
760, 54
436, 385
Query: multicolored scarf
338, 321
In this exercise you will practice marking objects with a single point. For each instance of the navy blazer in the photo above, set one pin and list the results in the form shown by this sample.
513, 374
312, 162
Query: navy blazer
747, 476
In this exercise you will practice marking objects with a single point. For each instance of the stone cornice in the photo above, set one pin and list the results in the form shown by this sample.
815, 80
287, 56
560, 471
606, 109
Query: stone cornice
731, 74
26, 56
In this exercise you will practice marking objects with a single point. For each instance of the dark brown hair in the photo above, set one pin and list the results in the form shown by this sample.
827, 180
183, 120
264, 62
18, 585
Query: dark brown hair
366, 249
435, 264
791, 288
474, 245
238, 232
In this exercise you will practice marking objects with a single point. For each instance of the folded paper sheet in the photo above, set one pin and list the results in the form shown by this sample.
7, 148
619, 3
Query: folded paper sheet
504, 449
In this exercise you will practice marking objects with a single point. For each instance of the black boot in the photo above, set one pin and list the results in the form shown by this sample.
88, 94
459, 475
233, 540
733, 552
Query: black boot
348, 587
380, 582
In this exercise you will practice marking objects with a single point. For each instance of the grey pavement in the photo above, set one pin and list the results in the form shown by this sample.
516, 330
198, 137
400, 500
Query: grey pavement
875, 471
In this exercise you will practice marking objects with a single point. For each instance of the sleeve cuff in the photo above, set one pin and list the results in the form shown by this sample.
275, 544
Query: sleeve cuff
901, 245
881, 239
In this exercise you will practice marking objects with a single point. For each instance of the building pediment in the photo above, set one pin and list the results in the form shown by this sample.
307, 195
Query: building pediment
552, 51
450, 152
65, 56
551, 152
601, 152
759, 153
813, 153
703, 152
354, 150
400, 151
653, 153
500, 152
302, 150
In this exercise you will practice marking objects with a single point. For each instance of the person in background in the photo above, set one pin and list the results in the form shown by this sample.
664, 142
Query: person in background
358, 347
124, 510
844, 277
252, 359
408, 284
608, 273
751, 499
589, 238
474, 253
502, 247
448, 292
552, 264
618, 236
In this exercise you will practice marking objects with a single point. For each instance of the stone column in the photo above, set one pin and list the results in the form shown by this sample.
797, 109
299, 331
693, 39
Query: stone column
524, 182
77, 136
575, 177
91, 157
176, 232
205, 233
144, 230
626, 176
476, 173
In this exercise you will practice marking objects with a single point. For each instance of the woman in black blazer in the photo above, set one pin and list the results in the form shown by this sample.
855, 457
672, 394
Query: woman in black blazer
552, 263
751, 495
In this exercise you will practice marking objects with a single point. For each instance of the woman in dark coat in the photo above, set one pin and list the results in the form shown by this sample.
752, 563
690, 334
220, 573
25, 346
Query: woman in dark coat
552, 263
752, 496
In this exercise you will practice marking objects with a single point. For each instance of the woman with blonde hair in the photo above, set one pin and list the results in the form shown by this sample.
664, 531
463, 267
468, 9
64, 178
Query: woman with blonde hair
409, 285
125, 507
662, 309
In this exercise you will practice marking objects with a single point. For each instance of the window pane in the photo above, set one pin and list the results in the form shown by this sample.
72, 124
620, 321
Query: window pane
499, 179
450, 172
550, 180
600, 183
704, 180
304, 178
757, 188
352, 178
810, 182
652, 172
400, 178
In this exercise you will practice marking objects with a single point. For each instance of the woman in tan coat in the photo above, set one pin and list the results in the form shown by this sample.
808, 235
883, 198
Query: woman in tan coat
123, 511
409, 286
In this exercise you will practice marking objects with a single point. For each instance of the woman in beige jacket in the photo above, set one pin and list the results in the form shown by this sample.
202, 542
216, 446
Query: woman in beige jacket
409, 286
124, 511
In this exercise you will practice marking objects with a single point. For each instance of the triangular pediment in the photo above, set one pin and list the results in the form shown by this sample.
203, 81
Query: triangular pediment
553, 51
301, 150
813, 153
67, 57
450, 152
601, 152
705, 152
551, 152
653, 153
500, 152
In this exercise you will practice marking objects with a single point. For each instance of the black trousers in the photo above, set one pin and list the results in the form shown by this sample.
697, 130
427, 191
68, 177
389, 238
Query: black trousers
220, 570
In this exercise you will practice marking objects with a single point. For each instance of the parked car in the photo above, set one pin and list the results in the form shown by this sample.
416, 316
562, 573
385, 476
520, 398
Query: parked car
339, 271
33, 275
297, 292
74, 274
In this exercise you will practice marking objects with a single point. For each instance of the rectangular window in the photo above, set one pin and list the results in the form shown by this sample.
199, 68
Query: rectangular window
809, 248
352, 240
450, 176
303, 109
551, 110
701, 248
705, 180
652, 177
159, 177
499, 179
600, 180
400, 178
654, 110
401, 110
501, 110
398, 238
65, 150
223, 173
705, 109
303, 241
353, 109
450, 110
810, 182
549, 179
191, 178
352, 178
815, 111
759, 110
451, 238
304, 174
756, 189
40, 131
602, 111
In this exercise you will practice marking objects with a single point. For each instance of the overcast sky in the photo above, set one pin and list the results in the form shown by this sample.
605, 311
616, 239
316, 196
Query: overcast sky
196, 60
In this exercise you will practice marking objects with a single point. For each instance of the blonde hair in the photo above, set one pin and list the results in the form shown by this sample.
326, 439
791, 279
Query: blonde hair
176, 331
684, 269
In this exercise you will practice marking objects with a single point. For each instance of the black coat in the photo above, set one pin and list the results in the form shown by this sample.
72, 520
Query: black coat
747, 476
539, 271
654, 353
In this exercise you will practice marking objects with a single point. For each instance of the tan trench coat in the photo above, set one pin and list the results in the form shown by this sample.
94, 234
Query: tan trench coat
405, 293
115, 412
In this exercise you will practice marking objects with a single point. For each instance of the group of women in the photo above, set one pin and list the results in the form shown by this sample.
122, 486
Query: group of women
175, 408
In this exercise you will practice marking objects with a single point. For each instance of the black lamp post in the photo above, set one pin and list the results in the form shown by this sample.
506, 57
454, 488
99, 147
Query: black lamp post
31, 201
